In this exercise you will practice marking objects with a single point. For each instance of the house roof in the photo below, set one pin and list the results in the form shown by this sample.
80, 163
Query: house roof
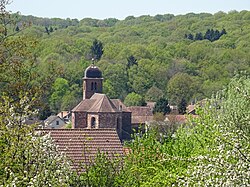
82, 145
100, 103
151, 104
51, 118
190, 108
118, 104
63, 114
180, 119
141, 114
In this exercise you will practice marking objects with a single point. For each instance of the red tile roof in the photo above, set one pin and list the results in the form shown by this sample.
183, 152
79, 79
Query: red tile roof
102, 104
99, 103
141, 114
118, 104
180, 119
82, 145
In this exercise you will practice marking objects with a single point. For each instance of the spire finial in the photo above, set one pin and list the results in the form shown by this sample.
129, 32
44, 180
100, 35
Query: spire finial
93, 61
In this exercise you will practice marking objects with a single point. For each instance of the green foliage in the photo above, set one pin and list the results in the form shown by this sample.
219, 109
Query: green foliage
27, 159
224, 131
154, 94
60, 89
210, 150
182, 106
162, 106
133, 99
155, 44
131, 61
116, 85
180, 87
210, 35
159, 116
97, 50
102, 172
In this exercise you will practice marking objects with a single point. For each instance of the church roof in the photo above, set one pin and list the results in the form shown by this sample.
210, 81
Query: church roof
100, 103
82, 145
84, 105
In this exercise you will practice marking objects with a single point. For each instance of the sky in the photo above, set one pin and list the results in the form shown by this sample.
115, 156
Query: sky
120, 9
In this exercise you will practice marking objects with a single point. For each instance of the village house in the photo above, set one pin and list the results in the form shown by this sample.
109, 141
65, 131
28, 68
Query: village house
141, 116
65, 115
54, 122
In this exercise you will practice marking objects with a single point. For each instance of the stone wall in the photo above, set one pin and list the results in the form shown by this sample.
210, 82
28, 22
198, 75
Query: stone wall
79, 120
126, 126
89, 87
108, 120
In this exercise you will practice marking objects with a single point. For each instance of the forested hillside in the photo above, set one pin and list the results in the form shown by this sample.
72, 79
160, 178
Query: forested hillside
151, 56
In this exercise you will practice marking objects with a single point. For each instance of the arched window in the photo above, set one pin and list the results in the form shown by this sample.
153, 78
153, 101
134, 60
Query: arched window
93, 122
95, 86
92, 86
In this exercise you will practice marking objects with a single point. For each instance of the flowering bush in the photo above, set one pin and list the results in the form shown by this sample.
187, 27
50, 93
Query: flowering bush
227, 161
28, 159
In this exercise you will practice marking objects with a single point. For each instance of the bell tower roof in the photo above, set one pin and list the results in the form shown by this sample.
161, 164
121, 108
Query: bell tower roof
93, 72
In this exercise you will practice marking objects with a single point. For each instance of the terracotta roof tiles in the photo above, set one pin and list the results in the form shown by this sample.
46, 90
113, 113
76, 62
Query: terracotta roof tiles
82, 145
102, 104
141, 114
99, 103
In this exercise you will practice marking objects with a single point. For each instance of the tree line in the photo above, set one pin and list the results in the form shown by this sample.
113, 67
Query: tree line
142, 58
211, 35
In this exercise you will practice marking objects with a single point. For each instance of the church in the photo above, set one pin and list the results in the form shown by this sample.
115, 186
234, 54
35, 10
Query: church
97, 111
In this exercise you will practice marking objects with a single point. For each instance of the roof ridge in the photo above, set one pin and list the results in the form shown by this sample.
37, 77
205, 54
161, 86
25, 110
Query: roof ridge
77, 106
97, 101
111, 103
103, 104
101, 100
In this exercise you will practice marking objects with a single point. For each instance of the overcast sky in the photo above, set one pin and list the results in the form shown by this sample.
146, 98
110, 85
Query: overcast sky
120, 9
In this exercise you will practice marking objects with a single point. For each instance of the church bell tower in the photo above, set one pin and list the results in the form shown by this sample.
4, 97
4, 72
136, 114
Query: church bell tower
92, 81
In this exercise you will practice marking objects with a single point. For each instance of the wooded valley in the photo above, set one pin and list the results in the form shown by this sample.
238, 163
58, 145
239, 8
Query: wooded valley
149, 57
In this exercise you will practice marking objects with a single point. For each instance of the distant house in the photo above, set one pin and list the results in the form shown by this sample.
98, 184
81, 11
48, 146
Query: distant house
174, 110
191, 109
178, 119
151, 105
65, 115
54, 122
140, 116
82, 145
